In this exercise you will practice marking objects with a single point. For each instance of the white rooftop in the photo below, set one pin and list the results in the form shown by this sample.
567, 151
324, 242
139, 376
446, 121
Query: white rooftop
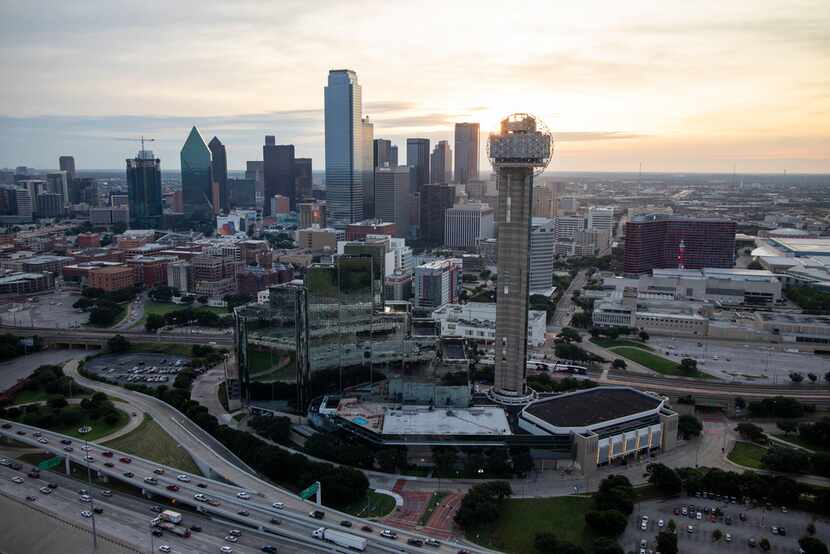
419, 420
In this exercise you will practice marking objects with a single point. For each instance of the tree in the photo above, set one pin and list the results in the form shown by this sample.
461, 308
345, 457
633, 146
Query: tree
605, 545
118, 344
482, 504
57, 402
688, 426
740, 403
812, 545
666, 543
812, 377
796, 376
688, 365
154, 322
779, 458
717, 535
754, 264
615, 493
788, 426
672, 526
609, 523
752, 432
764, 544
664, 478
202, 299
546, 543
644, 336
569, 334
389, 460
568, 351
619, 363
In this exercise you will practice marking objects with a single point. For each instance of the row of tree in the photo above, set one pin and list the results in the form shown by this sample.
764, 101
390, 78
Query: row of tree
779, 407
57, 413
198, 316
12, 346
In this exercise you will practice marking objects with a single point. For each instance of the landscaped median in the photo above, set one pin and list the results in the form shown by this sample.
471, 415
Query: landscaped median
661, 365
747, 454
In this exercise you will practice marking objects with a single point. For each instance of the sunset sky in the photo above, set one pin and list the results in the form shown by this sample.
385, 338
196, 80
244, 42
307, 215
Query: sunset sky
676, 86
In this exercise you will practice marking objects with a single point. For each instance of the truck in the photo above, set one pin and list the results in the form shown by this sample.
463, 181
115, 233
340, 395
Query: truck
169, 520
340, 538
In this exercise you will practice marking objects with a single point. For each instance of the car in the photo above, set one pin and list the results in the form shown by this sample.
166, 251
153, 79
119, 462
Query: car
83, 492
317, 514
7, 426
17, 479
432, 542
109, 464
45, 490
129, 474
642, 551
37, 434
158, 471
684, 510
173, 488
346, 523
389, 534
42, 440
742, 516
660, 523
157, 509
196, 528
98, 510
183, 478
66, 441
225, 550
727, 520
231, 538
4, 462
415, 542
676, 511
21, 433
643, 543
151, 480
782, 531
68, 449
200, 497
125, 460
107, 454
728, 537
366, 529
774, 530
690, 529
164, 548
90, 459
783, 509
275, 521
699, 515
243, 495
751, 542
235, 533
213, 502
31, 498
157, 532
271, 549
86, 448
201, 485
244, 513
85, 498
278, 505
106, 493
86, 513
643, 525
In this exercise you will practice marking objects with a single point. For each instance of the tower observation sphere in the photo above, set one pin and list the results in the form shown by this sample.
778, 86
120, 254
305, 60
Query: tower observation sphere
521, 149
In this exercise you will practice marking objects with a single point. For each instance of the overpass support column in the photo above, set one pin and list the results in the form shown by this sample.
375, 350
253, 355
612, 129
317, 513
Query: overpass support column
66, 465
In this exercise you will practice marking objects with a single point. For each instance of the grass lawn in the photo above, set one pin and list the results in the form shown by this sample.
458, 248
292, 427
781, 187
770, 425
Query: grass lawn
659, 364
163, 348
431, 505
100, 428
374, 505
521, 519
795, 439
747, 455
26, 396
160, 308
151, 442
609, 343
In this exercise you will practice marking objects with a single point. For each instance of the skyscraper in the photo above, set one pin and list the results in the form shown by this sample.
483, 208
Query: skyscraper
220, 171
466, 152
344, 148
393, 155
436, 199
67, 163
380, 157
367, 131
278, 165
392, 196
144, 191
196, 178
57, 182
441, 163
516, 152
417, 155
302, 180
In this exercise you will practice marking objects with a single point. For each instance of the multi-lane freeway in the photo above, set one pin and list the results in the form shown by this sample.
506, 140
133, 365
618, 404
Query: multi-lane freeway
262, 506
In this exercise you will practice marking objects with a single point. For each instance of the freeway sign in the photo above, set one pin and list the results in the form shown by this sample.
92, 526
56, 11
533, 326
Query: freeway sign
50, 463
310, 491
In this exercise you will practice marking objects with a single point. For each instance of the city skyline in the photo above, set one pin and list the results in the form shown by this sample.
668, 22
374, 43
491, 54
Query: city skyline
689, 89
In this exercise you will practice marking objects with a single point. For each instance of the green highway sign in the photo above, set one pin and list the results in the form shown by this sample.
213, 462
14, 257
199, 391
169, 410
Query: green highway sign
50, 463
309, 492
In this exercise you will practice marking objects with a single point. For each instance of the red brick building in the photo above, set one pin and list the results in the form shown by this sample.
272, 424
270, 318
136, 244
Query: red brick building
112, 278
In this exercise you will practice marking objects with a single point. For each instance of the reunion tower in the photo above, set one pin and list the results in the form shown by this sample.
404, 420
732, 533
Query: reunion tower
520, 150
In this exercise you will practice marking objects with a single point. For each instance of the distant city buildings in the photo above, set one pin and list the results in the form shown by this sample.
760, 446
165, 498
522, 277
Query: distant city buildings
392, 186
144, 191
441, 163
417, 156
466, 152
197, 182
542, 250
67, 163
438, 283
220, 174
435, 199
466, 224
344, 145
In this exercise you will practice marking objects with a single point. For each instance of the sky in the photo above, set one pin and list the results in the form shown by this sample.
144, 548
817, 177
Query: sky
709, 86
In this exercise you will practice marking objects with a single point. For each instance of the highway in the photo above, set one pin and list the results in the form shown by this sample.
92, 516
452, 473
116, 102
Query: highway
100, 336
222, 500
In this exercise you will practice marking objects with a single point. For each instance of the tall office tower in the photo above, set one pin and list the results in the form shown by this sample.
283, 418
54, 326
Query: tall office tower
83, 190
367, 131
436, 199
393, 156
278, 169
522, 147
67, 163
302, 180
441, 163
417, 155
392, 197
344, 148
23, 201
49, 204
653, 242
144, 191
542, 253
601, 219
57, 183
220, 172
466, 224
438, 283
242, 193
466, 152
254, 171
196, 178
545, 201
380, 153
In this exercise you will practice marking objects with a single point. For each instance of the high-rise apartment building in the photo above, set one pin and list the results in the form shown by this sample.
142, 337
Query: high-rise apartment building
546, 200
660, 241
601, 219
542, 250
417, 155
392, 196
197, 182
67, 163
466, 224
438, 283
57, 182
441, 163
219, 168
344, 148
144, 191
516, 152
49, 204
436, 199
466, 152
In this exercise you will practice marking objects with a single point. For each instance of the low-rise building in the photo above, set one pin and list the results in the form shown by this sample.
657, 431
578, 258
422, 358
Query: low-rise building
26, 283
477, 321
654, 316
112, 278
438, 283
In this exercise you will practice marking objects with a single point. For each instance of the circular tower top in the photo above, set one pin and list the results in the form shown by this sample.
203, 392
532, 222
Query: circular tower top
522, 141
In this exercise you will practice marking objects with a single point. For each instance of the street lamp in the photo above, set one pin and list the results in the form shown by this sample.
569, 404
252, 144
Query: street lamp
91, 495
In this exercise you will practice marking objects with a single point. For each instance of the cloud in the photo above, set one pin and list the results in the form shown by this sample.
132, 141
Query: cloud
580, 136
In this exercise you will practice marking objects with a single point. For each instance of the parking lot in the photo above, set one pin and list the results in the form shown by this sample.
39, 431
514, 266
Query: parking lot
748, 362
138, 368
47, 310
758, 524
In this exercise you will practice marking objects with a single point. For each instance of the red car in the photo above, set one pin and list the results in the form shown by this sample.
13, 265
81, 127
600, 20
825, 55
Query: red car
173, 488
125, 460
106, 454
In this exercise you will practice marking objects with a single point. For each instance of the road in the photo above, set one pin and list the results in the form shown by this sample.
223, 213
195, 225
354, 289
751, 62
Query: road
101, 336
22, 367
565, 307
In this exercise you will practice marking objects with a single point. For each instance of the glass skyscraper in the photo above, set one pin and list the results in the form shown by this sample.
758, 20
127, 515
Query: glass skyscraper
144, 191
197, 181
344, 148
220, 172
417, 156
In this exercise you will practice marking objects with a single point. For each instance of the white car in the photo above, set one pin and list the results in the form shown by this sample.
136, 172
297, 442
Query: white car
86, 448
42, 440
164, 548
231, 538
183, 478
226, 550
86, 513
45, 490
17, 480
85, 498
728, 537
278, 505
200, 497
243, 495
660, 523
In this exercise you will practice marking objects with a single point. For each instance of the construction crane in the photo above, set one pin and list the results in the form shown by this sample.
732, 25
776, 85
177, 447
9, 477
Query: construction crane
141, 139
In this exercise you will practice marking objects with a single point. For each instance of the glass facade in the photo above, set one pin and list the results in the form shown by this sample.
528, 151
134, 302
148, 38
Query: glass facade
197, 183
144, 191
344, 148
